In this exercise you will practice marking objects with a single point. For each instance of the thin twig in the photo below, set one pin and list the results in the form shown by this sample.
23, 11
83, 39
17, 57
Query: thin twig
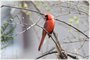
75, 9
74, 57
35, 6
46, 54
81, 45
28, 28
50, 50
72, 27
22, 9
75, 41
83, 56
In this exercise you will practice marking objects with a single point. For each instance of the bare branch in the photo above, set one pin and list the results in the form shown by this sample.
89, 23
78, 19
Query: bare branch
75, 41
74, 57
72, 27
28, 28
22, 9
76, 54
75, 9
50, 50
86, 2
46, 54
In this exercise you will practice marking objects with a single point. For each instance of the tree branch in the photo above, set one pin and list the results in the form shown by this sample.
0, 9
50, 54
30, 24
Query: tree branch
28, 28
73, 57
22, 9
72, 27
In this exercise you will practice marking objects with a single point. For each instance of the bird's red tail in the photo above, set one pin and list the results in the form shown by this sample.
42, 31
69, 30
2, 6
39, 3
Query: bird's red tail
42, 40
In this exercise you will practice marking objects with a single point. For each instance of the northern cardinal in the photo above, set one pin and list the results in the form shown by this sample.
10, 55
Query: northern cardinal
48, 26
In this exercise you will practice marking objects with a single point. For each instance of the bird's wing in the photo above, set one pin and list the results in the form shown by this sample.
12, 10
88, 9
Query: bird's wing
45, 27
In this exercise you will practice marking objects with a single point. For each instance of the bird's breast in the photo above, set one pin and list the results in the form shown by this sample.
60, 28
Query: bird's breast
51, 25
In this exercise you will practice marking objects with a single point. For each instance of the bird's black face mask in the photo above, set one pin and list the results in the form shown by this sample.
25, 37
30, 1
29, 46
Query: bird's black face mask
46, 17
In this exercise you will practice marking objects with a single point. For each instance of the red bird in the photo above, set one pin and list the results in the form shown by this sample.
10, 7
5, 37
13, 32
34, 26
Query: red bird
49, 26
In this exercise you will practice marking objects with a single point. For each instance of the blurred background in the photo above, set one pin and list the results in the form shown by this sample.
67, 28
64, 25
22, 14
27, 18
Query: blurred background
19, 42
